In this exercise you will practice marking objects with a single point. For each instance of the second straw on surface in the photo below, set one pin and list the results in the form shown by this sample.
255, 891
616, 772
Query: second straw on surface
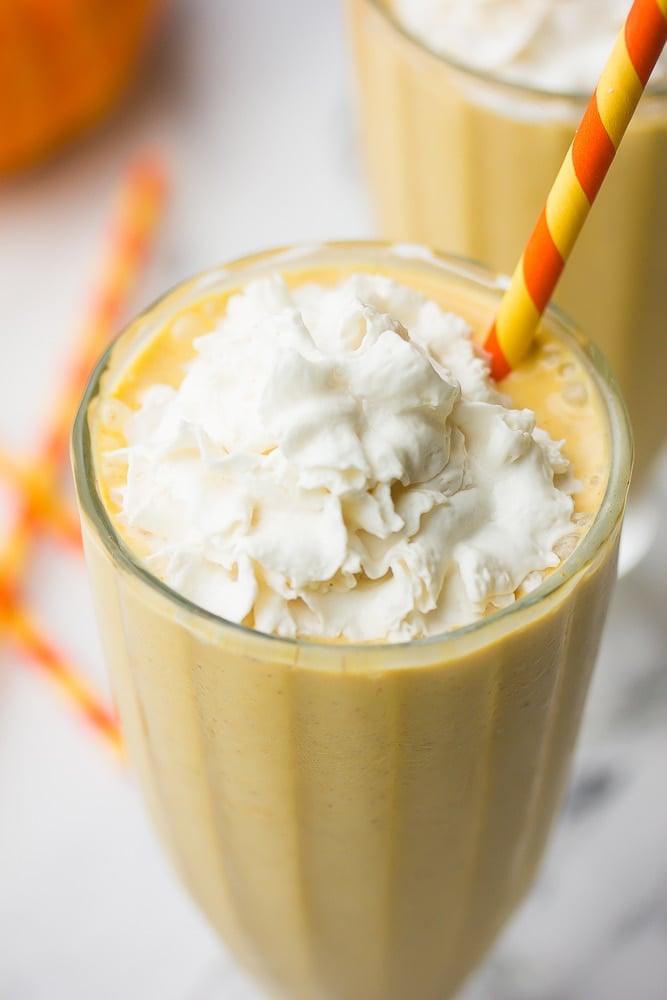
637, 50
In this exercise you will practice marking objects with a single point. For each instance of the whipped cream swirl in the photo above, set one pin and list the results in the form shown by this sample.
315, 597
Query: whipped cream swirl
336, 463
556, 45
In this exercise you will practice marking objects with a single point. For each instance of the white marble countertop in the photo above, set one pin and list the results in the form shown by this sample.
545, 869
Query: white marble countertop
250, 104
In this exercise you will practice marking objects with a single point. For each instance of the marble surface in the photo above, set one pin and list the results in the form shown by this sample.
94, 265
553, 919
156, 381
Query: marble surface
250, 104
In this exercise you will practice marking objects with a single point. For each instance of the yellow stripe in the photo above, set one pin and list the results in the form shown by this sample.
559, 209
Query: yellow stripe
662, 4
566, 208
618, 91
517, 320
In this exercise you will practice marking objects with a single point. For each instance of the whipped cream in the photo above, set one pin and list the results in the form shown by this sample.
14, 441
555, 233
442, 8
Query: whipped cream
337, 463
555, 45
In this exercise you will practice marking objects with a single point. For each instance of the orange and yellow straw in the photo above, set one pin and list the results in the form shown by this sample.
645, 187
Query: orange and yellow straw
137, 210
637, 50
41, 506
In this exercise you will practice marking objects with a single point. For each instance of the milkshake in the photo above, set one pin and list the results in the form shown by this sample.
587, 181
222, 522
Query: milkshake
467, 111
350, 594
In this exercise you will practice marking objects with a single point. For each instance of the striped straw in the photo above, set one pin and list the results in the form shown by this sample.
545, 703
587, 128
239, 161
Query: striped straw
26, 634
137, 211
637, 49
41, 505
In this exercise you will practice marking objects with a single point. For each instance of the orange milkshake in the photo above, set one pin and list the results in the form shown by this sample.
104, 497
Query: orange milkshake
357, 801
467, 110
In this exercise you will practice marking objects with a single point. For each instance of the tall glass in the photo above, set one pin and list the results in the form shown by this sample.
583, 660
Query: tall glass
356, 821
460, 160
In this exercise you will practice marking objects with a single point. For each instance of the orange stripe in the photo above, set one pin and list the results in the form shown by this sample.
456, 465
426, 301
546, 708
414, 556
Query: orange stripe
106, 308
645, 36
56, 519
499, 365
130, 242
7, 596
40, 504
592, 151
542, 263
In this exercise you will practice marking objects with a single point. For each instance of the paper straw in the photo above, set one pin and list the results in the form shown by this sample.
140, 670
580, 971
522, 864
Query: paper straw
137, 210
47, 509
26, 634
135, 215
637, 49
40, 505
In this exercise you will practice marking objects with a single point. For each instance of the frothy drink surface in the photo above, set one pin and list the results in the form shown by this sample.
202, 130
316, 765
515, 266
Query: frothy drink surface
335, 461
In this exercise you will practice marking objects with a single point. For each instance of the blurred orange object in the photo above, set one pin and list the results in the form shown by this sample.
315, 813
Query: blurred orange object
62, 65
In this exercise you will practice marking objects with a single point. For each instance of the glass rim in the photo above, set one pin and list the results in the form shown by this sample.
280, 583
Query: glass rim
605, 520
526, 90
